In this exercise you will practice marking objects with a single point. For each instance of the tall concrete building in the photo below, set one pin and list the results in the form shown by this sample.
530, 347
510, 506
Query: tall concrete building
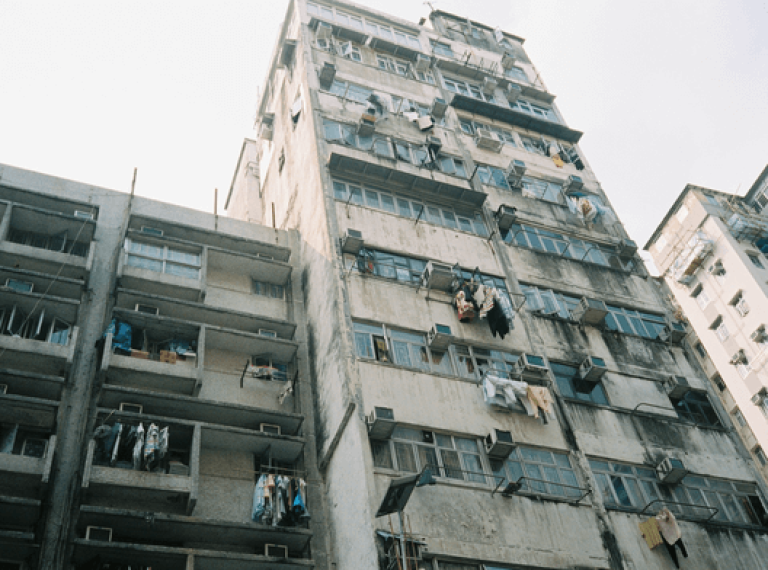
151, 371
475, 310
710, 248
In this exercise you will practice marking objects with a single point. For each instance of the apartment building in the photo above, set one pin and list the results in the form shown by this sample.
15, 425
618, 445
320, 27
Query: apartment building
477, 316
710, 248
152, 372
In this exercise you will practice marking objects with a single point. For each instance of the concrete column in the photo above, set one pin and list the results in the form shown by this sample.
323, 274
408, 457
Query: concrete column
5, 223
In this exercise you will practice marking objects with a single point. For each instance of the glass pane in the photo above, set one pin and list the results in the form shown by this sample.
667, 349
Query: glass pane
444, 440
182, 271
428, 458
474, 468
145, 263
405, 459
382, 456
372, 198
537, 455
340, 190
441, 362
401, 353
569, 478
605, 488
621, 491
387, 203
184, 257
534, 472
451, 463
551, 474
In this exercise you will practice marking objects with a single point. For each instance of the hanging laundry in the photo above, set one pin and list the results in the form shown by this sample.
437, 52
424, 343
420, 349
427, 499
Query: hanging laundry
299, 503
116, 445
151, 453
465, 309
487, 294
558, 161
121, 336
258, 508
162, 446
478, 295
497, 321
138, 448
101, 436
650, 531
670, 532
504, 393
541, 398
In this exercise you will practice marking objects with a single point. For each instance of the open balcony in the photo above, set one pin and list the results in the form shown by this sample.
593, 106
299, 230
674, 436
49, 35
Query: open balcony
26, 449
24, 383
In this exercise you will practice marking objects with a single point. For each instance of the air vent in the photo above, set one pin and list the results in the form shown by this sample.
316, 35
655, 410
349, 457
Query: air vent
422, 62
515, 172
324, 31
508, 60
367, 125
326, 75
488, 140
147, 309
438, 276
512, 93
131, 408
101, 533
627, 248
572, 184
270, 429
489, 85
673, 331
276, 550
530, 365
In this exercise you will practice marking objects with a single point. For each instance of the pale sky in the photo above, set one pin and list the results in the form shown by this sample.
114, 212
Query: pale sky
667, 92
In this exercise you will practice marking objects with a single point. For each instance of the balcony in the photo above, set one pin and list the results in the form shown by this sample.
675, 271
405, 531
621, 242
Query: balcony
18, 513
424, 181
237, 263
515, 117
64, 287
25, 466
24, 383
44, 241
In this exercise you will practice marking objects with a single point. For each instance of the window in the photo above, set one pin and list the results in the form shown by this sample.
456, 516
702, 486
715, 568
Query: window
681, 214
535, 146
163, 259
447, 456
531, 108
541, 189
695, 407
462, 87
516, 74
760, 454
550, 242
629, 321
755, 259
470, 127
717, 380
548, 471
548, 302
738, 417
661, 243
634, 487
349, 50
700, 349
740, 304
718, 270
359, 23
267, 289
58, 242
493, 176
701, 296
391, 64
721, 330
572, 386
439, 48
351, 91
712, 200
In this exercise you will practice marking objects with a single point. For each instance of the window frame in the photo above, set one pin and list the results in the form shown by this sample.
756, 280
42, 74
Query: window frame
522, 462
165, 260
575, 389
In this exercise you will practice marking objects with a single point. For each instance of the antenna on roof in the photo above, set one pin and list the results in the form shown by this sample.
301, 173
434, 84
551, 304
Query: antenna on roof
431, 7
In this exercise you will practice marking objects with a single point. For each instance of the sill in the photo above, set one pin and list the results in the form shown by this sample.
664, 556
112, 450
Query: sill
606, 267
440, 480
712, 522
419, 370
376, 67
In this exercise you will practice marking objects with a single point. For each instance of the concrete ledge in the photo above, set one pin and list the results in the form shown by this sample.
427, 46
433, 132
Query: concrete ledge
17, 546
158, 283
18, 512
111, 476
151, 374
45, 261
38, 356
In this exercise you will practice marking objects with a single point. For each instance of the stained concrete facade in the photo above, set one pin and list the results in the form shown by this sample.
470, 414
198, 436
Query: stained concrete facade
339, 148
84, 256
721, 289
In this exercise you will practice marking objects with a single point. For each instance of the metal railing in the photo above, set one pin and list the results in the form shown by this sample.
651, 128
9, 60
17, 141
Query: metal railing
665, 502
515, 486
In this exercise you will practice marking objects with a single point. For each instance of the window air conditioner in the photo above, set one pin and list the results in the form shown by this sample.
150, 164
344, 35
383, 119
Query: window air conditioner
34, 447
439, 337
759, 398
677, 386
352, 242
673, 331
717, 268
437, 276
434, 144
422, 62
22, 286
132, 408
83, 215
505, 217
147, 309
439, 107
590, 312
592, 369
425, 122
512, 92
759, 334
270, 429
515, 172
489, 85
488, 140
499, 444
268, 333
367, 125
381, 423
265, 132
572, 184
324, 31
627, 248
327, 75
101, 533
738, 357
530, 365
276, 550
3, 389
671, 471
508, 60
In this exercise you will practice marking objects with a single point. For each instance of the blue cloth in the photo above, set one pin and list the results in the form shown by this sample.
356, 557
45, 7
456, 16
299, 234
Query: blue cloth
178, 346
257, 511
121, 335
299, 508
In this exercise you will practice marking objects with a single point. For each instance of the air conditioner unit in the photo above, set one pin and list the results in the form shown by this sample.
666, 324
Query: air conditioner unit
324, 31
677, 386
367, 125
381, 423
488, 140
425, 122
270, 429
499, 444
717, 268
673, 331
515, 172
498, 34
352, 242
147, 309
151, 231
671, 471
592, 368
276, 550
265, 132
439, 337
738, 357
101, 533
439, 107
422, 62
759, 398
437, 276
83, 215
17, 285
626, 248
508, 60
34, 447
327, 75
434, 144
268, 333
530, 365
590, 312
132, 408
759, 334
3, 389
489, 85
506, 216
512, 93
572, 184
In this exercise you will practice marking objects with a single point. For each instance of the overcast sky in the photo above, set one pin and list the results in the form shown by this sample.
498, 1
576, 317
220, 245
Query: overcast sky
666, 92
